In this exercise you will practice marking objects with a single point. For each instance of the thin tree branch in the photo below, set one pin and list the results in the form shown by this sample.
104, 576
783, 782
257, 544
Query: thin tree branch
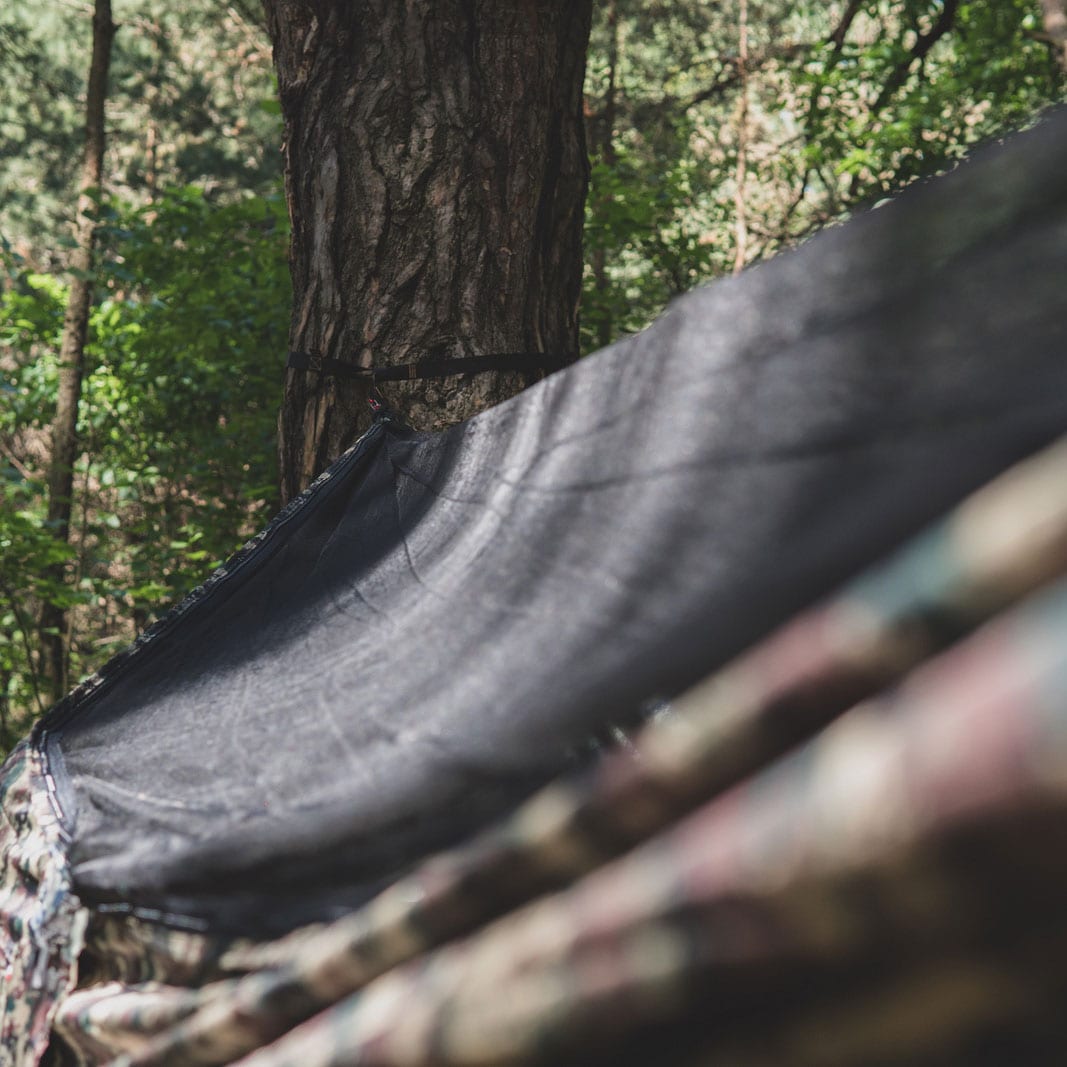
741, 172
738, 71
924, 42
731, 77
840, 31
15, 462
27, 645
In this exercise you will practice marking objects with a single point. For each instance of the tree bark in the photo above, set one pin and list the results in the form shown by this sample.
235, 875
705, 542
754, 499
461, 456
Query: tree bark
54, 618
436, 174
1054, 13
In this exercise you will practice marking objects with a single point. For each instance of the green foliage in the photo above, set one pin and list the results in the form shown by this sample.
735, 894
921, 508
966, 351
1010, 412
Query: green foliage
185, 106
29, 554
183, 371
38, 117
30, 319
177, 422
881, 118
644, 221
828, 125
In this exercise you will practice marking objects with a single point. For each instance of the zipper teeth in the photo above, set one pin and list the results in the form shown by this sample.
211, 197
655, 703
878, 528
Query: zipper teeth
99, 683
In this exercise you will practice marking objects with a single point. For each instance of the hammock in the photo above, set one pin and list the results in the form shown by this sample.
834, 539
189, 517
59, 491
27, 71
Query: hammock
463, 760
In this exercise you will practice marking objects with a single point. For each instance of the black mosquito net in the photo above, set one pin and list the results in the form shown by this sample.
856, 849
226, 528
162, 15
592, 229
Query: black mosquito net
448, 620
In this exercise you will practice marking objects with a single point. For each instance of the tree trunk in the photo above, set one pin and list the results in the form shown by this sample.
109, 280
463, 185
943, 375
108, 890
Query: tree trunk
54, 621
436, 174
1055, 16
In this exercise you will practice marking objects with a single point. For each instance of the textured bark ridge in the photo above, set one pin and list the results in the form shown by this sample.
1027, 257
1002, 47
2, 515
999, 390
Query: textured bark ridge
54, 622
436, 174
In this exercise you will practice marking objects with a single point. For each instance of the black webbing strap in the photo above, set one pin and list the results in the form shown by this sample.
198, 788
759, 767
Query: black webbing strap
527, 362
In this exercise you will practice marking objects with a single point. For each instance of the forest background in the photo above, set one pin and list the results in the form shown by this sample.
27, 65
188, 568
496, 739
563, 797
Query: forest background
719, 133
